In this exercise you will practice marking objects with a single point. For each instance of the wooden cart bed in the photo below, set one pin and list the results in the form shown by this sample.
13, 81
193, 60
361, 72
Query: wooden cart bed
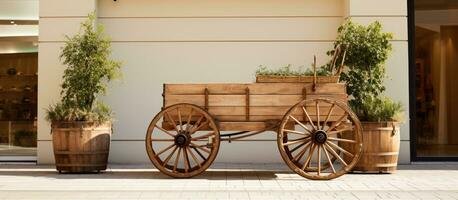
248, 106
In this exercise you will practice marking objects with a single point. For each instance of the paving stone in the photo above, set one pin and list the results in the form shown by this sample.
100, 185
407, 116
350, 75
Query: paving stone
226, 181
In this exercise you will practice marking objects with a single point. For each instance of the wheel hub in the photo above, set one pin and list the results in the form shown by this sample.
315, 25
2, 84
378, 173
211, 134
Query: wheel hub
182, 139
320, 137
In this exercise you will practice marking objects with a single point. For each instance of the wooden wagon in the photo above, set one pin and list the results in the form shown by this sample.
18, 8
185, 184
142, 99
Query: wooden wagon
311, 120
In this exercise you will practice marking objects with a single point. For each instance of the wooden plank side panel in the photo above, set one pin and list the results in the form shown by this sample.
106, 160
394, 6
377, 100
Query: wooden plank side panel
263, 118
255, 88
239, 100
256, 118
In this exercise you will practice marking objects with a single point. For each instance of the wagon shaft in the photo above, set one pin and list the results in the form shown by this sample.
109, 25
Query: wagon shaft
247, 106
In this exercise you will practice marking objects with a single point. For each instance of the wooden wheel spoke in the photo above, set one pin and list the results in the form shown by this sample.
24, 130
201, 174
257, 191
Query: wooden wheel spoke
341, 149
204, 136
295, 132
301, 124
199, 127
164, 150
197, 123
162, 140
309, 157
335, 154
328, 115
200, 147
165, 131
318, 159
193, 157
170, 156
176, 161
296, 141
299, 146
317, 107
341, 140
171, 121
308, 118
179, 119
329, 159
339, 131
302, 153
198, 153
337, 123
188, 122
186, 160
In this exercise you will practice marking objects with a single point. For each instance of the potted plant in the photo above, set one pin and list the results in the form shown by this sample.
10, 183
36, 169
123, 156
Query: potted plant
286, 74
80, 123
367, 49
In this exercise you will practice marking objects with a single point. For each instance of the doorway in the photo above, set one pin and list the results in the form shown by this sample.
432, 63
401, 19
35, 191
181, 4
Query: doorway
18, 106
434, 70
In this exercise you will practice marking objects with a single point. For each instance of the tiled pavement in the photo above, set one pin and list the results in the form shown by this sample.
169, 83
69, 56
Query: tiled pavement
226, 181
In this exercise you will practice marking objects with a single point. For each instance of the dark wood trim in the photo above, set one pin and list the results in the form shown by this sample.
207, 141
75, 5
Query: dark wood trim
412, 92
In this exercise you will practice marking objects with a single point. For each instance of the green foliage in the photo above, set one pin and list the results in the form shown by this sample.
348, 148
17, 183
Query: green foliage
62, 112
86, 78
367, 49
288, 71
376, 109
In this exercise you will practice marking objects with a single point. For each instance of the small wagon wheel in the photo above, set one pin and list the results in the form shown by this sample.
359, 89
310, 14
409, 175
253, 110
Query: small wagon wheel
309, 139
182, 140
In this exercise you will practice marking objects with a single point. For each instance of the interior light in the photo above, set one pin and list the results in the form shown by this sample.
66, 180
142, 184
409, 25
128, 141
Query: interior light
12, 22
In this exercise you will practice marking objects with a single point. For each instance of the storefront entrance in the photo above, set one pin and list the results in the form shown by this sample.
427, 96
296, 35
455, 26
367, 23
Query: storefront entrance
18, 106
434, 72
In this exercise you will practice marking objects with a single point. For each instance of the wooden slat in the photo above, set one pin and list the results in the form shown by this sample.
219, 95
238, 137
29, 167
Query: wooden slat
239, 100
262, 118
258, 110
255, 88
256, 118
242, 126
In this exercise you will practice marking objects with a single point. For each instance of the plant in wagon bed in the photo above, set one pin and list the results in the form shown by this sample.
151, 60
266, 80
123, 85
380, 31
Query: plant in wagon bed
81, 124
367, 49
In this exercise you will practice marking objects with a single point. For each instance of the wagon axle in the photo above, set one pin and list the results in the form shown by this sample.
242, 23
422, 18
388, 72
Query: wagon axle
182, 139
320, 137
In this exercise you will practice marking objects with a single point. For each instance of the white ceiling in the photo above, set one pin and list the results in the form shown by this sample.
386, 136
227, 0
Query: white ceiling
12, 36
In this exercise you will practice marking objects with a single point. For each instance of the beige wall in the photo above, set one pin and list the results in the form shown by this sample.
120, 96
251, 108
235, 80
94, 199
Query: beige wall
179, 41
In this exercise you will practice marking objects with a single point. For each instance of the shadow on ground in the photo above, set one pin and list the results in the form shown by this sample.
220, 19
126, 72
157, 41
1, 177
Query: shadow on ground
210, 175
215, 173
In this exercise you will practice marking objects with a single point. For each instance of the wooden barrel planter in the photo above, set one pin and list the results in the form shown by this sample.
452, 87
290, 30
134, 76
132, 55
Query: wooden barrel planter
381, 147
81, 147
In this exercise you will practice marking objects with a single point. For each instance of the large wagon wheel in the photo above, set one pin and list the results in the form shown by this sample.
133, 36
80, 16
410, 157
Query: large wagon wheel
309, 141
182, 140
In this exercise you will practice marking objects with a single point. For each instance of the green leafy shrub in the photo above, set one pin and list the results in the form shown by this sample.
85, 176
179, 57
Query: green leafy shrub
288, 71
376, 109
86, 78
367, 49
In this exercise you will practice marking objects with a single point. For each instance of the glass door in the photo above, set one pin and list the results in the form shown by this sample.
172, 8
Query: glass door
18, 106
436, 79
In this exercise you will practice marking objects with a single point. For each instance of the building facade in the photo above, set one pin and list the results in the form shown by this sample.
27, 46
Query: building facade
198, 41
